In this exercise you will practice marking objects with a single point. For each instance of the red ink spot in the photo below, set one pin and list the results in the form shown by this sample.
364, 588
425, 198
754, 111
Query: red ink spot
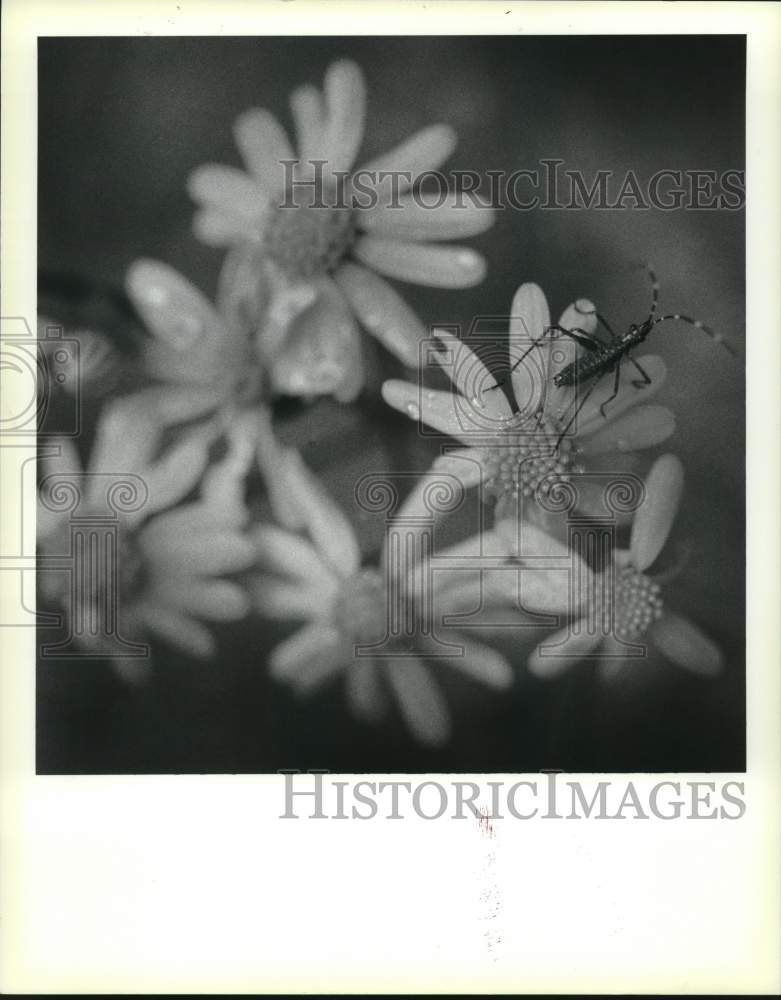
485, 824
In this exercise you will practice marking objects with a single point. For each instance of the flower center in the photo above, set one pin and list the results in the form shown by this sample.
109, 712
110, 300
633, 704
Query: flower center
637, 603
360, 609
306, 241
524, 457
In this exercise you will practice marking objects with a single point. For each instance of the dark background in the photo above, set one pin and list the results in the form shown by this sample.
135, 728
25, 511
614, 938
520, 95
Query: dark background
121, 124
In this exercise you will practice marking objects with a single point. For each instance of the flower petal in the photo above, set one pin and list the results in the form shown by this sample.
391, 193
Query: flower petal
212, 599
283, 552
263, 144
474, 659
229, 189
561, 651
328, 527
365, 694
344, 90
420, 263
590, 417
126, 439
309, 116
432, 407
383, 312
554, 578
580, 315
485, 407
418, 217
655, 515
276, 597
217, 227
191, 343
420, 700
641, 427
173, 475
322, 352
425, 150
169, 545
178, 630
529, 319
316, 642
688, 647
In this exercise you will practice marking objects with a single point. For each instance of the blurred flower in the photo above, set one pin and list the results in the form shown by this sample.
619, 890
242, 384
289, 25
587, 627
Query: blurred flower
324, 251
311, 572
522, 453
169, 559
191, 343
613, 608
94, 368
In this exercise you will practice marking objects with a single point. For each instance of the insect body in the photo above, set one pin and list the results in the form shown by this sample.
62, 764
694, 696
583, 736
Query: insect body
604, 357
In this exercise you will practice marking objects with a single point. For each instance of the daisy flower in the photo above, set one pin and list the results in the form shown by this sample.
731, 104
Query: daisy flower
520, 453
170, 559
613, 613
306, 238
311, 573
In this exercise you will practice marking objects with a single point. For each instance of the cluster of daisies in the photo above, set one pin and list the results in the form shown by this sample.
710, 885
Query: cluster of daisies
302, 280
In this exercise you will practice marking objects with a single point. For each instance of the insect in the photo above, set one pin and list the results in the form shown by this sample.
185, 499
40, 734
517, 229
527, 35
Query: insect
604, 357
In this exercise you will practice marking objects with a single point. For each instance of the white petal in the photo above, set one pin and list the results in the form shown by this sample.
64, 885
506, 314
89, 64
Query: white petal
318, 642
172, 476
126, 439
286, 600
328, 527
170, 545
431, 407
263, 144
655, 515
179, 630
423, 217
563, 650
688, 647
555, 578
421, 263
486, 406
474, 659
365, 695
383, 312
529, 320
309, 115
426, 150
283, 552
216, 227
227, 188
322, 350
345, 102
420, 700
580, 315
641, 427
590, 417
212, 599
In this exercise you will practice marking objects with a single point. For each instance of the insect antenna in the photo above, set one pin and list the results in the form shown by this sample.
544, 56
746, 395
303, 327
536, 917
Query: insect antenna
714, 336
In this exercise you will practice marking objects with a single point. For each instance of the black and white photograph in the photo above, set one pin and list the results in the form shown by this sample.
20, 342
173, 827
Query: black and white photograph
389, 548
392, 404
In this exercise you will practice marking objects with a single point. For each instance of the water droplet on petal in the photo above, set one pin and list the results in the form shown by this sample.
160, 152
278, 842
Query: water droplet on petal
413, 411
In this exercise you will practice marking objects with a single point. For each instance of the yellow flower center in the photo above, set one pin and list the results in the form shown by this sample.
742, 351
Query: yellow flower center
306, 242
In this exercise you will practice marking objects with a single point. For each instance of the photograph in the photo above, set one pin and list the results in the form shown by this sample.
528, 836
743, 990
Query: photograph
391, 409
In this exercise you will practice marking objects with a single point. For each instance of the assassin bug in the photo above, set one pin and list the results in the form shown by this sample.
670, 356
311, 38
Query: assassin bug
605, 357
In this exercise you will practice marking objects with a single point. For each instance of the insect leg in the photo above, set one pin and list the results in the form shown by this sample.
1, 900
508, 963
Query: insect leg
616, 382
572, 419
646, 377
526, 353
